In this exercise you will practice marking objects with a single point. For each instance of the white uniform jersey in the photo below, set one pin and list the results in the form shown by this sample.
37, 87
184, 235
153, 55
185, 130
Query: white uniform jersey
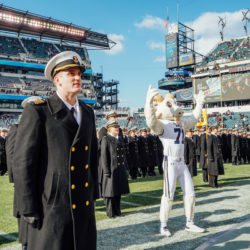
173, 139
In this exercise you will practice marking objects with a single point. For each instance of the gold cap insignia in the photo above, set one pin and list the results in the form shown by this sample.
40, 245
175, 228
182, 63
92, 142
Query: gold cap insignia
39, 101
75, 59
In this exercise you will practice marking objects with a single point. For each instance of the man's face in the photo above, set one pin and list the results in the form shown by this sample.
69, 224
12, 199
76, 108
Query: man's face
69, 81
114, 131
125, 133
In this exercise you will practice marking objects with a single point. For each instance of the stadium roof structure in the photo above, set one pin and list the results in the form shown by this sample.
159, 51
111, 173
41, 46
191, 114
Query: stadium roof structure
24, 22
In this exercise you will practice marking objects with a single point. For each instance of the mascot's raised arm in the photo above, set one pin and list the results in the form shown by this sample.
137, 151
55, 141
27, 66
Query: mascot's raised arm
164, 118
158, 108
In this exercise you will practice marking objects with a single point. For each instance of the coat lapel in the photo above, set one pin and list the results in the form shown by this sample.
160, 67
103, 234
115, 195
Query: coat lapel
61, 113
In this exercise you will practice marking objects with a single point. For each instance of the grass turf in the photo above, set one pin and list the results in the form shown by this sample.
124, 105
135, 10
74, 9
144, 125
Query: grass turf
144, 192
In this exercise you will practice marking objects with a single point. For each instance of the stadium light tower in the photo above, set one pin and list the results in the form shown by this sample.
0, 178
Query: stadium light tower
222, 23
245, 19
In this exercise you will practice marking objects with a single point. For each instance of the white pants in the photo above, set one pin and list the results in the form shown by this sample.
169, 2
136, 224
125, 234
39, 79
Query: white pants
175, 171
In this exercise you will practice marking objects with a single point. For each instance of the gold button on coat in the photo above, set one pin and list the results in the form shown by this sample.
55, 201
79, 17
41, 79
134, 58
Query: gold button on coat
72, 168
86, 184
73, 149
86, 148
86, 166
73, 186
73, 206
87, 203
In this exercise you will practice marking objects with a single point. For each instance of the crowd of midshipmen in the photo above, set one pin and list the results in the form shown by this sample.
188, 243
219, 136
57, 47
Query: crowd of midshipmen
143, 150
209, 148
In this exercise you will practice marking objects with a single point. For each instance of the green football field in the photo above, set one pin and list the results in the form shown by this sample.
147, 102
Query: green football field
144, 193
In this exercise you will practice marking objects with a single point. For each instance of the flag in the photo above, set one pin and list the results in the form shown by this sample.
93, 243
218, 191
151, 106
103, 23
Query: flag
203, 121
166, 23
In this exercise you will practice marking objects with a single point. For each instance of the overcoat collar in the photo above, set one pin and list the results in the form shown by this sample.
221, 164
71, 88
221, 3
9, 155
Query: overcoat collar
60, 112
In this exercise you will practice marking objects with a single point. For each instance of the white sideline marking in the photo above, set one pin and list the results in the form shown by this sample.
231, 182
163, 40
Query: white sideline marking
131, 203
220, 235
146, 196
13, 247
100, 212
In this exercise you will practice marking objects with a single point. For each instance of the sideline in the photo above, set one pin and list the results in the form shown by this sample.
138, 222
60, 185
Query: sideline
131, 203
145, 196
213, 240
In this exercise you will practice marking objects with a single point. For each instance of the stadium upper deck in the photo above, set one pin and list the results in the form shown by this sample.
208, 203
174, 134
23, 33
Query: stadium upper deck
27, 42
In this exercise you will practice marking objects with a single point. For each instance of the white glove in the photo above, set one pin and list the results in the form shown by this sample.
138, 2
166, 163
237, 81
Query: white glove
200, 98
151, 94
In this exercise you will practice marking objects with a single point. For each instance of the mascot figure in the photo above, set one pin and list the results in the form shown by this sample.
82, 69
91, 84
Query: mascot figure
164, 118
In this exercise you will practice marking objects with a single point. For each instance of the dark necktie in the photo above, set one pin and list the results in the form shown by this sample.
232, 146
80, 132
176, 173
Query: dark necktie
72, 111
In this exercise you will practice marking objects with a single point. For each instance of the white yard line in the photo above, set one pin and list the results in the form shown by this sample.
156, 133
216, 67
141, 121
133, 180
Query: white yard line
146, 196
220, 235
131, 203
13, 247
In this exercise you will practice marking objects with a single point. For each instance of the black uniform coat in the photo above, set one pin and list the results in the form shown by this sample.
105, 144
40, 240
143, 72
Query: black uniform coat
145, 160
189, 156
215, 160
197, 143
203, 158
9, 147
3, 163
114, 180
55, 173
235, 145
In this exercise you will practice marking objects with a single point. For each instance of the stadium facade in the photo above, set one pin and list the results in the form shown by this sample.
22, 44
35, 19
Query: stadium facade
224, 75
27, 42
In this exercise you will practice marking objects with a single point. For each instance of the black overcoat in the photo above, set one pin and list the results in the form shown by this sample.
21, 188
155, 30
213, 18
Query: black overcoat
9, 148
3, 163
197, 143
189, 156
114, 180
203, 154
215, 160
145, 160
55, 173
235, 145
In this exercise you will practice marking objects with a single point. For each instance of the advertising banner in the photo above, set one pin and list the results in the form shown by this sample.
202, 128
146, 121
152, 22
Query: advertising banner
184, 94
187, 59
172, 50
211, 87
236, 86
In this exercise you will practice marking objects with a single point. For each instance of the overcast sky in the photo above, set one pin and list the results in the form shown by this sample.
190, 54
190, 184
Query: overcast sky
137, 26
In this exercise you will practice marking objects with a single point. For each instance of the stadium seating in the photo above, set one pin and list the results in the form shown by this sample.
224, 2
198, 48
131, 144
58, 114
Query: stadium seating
80, 51
230, 120
232, 49
10, 46
39, 49
243, 51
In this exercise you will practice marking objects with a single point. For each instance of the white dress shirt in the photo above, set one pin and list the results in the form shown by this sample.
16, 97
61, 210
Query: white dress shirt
77, 113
